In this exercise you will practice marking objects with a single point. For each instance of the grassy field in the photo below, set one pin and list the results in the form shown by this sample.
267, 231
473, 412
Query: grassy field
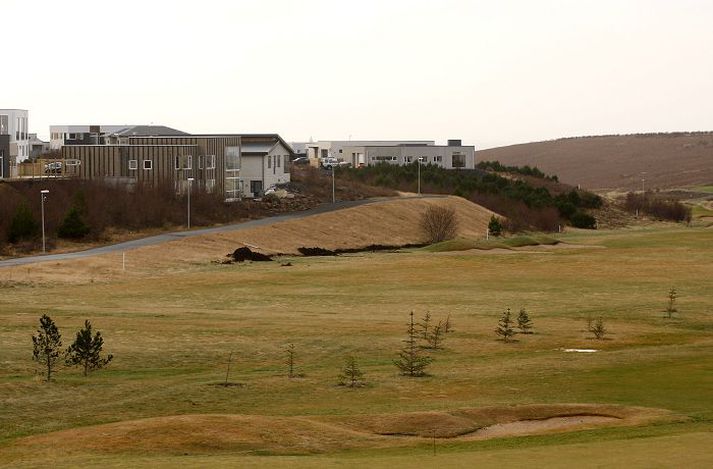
171, 333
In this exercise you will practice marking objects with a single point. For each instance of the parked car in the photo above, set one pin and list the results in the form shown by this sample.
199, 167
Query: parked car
54, 167
301, 160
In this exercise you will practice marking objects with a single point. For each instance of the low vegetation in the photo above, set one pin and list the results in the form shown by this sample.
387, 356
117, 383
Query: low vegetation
526, 205
87, 210
439, 223
658, 206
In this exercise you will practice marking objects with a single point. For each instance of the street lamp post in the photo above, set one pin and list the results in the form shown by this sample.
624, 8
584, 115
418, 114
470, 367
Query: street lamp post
420, 158
43, 197
334, 197
190, 181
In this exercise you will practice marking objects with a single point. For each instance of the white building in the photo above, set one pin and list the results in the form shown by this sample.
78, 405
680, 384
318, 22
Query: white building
61, 135
14, 140
359, 153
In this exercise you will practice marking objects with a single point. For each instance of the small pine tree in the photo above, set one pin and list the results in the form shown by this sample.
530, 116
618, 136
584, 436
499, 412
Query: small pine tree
495, 227
23, 224
47, 346
504, 329
448, 325
671, 308
412, 361
73, 225
424, 324
524, 323
290, 361
351, 374
598, 328
436, 337
86, 350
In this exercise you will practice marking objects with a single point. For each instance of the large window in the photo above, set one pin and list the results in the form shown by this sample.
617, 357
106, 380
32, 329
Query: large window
256, 188
458, 160
148, 165
286, 163
133, 164
210, 162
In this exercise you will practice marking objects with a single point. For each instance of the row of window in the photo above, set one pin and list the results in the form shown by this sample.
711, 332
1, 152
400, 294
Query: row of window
276, 161
181, 162
458, 159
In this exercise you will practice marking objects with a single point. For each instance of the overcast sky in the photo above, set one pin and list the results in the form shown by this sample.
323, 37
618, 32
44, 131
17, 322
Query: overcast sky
490, 72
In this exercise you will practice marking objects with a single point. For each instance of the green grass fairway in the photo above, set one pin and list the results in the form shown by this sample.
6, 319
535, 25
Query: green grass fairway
171, 335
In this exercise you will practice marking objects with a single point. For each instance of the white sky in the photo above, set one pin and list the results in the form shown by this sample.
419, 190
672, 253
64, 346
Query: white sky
489, 72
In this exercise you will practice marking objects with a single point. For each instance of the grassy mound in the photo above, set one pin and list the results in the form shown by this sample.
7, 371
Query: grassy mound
464, 244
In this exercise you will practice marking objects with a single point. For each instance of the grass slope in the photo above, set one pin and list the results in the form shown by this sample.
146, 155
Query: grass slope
617, 162
171, 332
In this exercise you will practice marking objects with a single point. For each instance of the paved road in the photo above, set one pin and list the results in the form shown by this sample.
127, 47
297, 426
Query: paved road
163, 238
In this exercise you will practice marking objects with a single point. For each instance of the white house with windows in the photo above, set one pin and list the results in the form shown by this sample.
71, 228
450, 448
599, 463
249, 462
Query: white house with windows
359, 153
14, 140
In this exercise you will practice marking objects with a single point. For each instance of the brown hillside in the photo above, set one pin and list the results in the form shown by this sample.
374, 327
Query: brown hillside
617, 162
392, 222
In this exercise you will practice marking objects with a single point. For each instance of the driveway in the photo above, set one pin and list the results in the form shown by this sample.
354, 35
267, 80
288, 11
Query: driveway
166, 237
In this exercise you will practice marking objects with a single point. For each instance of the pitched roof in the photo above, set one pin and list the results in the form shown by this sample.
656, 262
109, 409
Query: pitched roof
149, 131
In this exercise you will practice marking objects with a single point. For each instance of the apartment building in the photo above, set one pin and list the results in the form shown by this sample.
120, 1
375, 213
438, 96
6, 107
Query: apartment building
14, 147
236, 165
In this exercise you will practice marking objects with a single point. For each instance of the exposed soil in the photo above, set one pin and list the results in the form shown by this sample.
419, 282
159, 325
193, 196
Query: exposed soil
246, 254
527, 427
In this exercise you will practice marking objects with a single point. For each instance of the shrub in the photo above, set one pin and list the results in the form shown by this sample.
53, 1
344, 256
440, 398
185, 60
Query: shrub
583, 220
495, 227
439, 223
23, 225
73, 225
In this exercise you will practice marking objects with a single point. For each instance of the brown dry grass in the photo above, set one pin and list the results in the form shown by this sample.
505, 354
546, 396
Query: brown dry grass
211, 434
393, 222
673, 160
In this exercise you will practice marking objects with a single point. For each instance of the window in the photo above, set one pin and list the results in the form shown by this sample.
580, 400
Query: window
409, 159
269, 163
148, 164
437, 159
458, 160
256, 188
325, 153
340, 150
210, 162
133, 164
286, 159
277, 161
177, 162
200, 161
189, 162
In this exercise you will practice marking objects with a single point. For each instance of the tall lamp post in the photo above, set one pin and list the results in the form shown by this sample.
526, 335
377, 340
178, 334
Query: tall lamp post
190, 184
43, 197
420, 158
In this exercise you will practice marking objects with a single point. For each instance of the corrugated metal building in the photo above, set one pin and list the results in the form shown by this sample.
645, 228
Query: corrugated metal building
236, 165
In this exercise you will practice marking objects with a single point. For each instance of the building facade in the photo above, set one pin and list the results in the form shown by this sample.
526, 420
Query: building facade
236, 165
360, 153
61, 135
13, 125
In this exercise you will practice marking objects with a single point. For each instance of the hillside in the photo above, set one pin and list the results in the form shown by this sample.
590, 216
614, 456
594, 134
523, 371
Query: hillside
617, 162
391, 222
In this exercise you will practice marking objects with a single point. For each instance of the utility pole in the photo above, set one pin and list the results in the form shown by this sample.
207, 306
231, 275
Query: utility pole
43, 197
420, 158
190, 184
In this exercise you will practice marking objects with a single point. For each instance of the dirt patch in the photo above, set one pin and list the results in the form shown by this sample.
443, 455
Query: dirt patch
317, 251
246, 254
528, 427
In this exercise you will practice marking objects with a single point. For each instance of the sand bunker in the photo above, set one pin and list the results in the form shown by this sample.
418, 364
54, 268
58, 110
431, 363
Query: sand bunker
528, 427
